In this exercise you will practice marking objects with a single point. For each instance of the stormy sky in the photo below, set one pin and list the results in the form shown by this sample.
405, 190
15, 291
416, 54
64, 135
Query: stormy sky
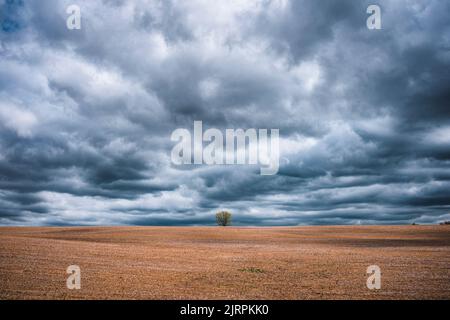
86, 115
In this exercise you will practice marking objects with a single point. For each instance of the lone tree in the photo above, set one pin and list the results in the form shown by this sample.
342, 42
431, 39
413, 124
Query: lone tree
223, 218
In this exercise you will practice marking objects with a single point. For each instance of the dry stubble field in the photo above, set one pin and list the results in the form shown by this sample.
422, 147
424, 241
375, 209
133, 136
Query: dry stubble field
225, 263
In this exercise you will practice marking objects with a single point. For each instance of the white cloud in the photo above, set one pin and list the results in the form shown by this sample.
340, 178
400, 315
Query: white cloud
17, 119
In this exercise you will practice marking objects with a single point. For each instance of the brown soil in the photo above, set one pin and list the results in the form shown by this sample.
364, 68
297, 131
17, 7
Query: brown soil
225, 263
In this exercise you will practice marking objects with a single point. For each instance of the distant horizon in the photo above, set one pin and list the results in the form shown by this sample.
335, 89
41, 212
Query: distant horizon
230, 226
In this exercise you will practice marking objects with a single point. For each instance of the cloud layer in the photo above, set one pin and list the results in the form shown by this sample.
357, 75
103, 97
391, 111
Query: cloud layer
86, 115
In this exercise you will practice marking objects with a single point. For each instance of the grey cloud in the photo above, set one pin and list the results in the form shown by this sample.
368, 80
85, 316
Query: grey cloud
86, 115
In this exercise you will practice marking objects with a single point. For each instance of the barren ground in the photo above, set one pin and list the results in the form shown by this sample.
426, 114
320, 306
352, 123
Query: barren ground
225, 263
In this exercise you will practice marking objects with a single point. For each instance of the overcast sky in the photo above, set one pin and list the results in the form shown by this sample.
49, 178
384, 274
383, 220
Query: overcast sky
86, 115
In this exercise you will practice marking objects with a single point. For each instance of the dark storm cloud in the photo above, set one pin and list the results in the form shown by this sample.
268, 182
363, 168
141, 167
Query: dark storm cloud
307, 25
86, 115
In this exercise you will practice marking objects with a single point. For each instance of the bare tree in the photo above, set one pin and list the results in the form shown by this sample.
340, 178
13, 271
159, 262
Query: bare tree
223, 218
